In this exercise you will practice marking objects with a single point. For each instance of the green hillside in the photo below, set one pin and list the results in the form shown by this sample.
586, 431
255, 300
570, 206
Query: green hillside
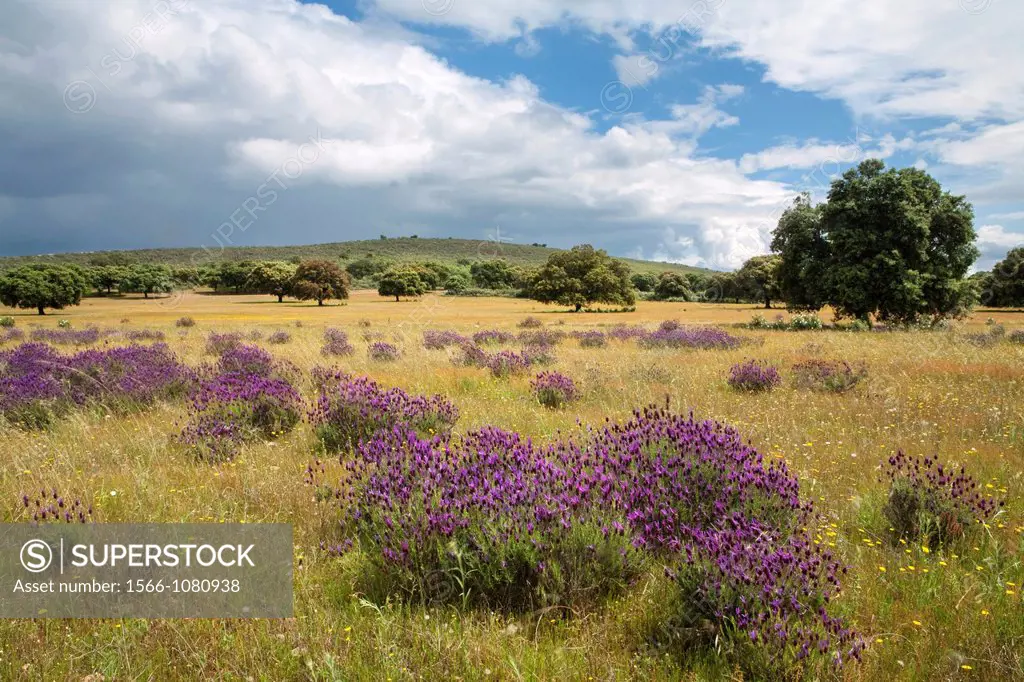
448, 251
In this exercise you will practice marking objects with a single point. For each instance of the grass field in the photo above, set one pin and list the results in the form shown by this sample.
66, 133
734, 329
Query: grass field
949, 614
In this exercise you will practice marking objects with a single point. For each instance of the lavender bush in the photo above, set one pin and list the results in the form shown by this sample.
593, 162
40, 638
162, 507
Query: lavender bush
754, 375
553, 389
438, 340
592, 339
383, 352
185, 322
144, 335
67, 336
217, 343
279, 337
493, 337
507, 362
690, 337
932, 503
50, 506
828, 375
1016, 337
530, 322
336, 343
351, 410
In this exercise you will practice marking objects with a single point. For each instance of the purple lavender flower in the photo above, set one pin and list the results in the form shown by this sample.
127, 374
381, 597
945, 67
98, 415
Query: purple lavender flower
828, 375
493, 337
754, 375
383, 352
690, 337
438, 340
553, 389
336, 343
507, 362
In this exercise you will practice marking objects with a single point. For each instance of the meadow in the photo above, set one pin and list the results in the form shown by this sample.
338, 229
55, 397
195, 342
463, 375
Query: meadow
923, 612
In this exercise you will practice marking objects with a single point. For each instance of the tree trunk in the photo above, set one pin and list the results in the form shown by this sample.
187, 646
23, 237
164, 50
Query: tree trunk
767, 303
280, 298
396, 298
319, 301
40, 309
579, 307
145, 294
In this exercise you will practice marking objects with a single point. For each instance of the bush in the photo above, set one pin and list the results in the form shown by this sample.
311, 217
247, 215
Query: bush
526, 323
336, 343
350, 410
217, 344
592, 339
64, 324
933, 504
1016, 336
553, 389
279, 337
805, 321
437, 340
828, 375
184, 322
6, 322
508, 362
754, 375
383, 352
493, 336
690, 337
67, 336
470, 355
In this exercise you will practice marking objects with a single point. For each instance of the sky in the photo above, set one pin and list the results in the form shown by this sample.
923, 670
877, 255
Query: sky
674, 131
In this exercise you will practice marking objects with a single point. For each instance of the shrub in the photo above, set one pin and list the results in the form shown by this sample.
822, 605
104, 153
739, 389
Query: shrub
690, 337
350, 410
530, 323
64, 324
437, 340
185, 322
860, 326
279, 337
217, 344
669, 326
231, 409
493, 336
144, 335
828, 375
626, 332
6, 322
805, 321
508, 362
491, 520
336, 343
931, 503
37, 384
553, 389
754, 375
67, 336
592, 339
383, 352
541, 337
470, 355
9, 335
1016, 337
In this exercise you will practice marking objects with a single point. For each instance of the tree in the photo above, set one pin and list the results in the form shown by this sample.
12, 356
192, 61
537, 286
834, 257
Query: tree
42, 286
644, 281
721, 287
580, 276
1005, 286
673, 285
758, 279
899, 246
457, 282
271, 277
493, 274
319, 280
401, 282
367, 267
109, 277
147, 279
804, 255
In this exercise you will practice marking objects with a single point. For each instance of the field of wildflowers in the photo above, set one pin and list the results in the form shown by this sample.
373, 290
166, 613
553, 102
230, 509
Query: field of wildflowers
861, 520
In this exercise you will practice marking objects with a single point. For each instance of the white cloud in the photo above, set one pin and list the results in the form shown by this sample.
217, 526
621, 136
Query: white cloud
812, 154
229, 91
996, 235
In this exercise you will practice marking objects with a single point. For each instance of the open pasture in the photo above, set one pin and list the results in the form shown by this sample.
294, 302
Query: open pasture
948, 612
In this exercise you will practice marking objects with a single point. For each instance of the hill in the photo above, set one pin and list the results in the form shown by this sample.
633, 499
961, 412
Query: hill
448, 251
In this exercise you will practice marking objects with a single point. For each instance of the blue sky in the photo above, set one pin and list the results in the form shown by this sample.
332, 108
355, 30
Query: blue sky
664, 130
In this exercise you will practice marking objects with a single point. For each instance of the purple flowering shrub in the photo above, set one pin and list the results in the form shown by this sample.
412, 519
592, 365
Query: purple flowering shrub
828, 375
591, 339
67, 336
507, 362
51, 507
493, 337
542, 337
9, 335
230, 409
38, 384
470, 355
530, 322
754, 375
539, 353
218, 343
932, 503
144, 335
493, 520
279, 337
689, 337
1016, 337
336, 343
350, 410
553, 389
624, 332
383, 352
439, 340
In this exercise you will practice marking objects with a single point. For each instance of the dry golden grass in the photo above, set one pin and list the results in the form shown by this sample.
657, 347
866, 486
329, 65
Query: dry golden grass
927, 393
